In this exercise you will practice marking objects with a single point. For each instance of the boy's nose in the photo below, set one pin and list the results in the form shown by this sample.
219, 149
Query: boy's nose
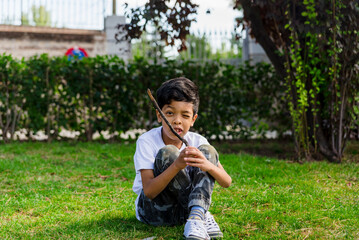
177, 120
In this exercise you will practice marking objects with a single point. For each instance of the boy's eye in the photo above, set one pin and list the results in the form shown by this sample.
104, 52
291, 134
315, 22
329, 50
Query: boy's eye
186, 116
169, 113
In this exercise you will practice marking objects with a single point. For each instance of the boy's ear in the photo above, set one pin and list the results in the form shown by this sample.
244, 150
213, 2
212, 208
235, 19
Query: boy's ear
159, 118
194, 119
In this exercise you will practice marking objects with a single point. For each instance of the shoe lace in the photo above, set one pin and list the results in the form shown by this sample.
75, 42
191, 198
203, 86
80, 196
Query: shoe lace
197, 228
210, 223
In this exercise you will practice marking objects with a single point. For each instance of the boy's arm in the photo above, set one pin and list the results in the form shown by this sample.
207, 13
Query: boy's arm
152, 186
195, 158
220, 175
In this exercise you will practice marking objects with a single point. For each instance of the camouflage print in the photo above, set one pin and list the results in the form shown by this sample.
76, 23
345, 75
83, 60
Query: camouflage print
190, 187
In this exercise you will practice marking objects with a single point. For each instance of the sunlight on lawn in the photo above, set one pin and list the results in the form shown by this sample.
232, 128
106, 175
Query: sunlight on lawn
83, 191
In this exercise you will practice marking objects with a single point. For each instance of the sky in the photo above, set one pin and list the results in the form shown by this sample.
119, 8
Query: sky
222, 15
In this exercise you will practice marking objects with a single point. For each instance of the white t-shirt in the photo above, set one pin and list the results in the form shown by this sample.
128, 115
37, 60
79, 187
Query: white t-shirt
147, 147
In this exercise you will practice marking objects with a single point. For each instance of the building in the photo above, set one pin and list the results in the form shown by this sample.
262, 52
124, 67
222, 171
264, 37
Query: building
23, 36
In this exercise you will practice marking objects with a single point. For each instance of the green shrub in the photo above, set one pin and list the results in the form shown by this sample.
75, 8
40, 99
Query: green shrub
105, 94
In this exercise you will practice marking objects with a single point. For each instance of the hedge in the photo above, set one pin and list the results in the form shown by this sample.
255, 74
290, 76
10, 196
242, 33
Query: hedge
106, 94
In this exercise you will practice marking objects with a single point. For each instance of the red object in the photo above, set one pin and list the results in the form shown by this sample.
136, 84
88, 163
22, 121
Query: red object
76, 52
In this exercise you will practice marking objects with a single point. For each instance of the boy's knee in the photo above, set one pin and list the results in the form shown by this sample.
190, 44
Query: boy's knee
209, 152
164, 158
168, 153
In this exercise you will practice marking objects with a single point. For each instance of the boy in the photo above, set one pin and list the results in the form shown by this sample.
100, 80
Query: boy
173, 182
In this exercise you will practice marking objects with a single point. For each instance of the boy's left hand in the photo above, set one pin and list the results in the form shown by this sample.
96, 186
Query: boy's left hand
195, 158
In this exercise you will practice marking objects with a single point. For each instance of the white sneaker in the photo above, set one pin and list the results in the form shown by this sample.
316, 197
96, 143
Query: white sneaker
212, 227
195, 230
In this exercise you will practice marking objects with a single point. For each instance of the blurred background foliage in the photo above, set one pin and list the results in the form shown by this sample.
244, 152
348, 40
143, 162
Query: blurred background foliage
106, 94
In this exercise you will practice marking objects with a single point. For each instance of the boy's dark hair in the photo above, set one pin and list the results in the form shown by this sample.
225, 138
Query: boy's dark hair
178, 89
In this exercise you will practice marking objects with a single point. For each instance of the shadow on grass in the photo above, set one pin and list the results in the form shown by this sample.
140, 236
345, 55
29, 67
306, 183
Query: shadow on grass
272, 148
278, 148
110, 228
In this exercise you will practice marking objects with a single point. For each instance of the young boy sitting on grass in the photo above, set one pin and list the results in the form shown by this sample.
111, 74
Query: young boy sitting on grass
174, 183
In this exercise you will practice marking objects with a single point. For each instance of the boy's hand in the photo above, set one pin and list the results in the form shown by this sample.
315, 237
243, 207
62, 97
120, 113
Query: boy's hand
180, 162
195, 158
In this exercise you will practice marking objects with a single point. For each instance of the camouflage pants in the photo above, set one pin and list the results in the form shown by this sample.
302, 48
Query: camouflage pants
190, 187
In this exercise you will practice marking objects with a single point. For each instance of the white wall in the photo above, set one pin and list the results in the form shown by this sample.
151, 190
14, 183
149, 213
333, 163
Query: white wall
121, 49
253, 51
26, 41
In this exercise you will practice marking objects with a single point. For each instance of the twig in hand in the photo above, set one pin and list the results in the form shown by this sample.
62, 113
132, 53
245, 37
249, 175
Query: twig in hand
164, 118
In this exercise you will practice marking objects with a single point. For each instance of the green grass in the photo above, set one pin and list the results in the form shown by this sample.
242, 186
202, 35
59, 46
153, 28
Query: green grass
83, 191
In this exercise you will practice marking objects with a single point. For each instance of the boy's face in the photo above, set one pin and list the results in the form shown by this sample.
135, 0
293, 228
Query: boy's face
180, 115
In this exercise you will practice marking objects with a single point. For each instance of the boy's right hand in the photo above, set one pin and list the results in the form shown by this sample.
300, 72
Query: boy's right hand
180, 162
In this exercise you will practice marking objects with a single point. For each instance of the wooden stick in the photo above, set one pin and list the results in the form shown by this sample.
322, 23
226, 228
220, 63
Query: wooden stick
164, 118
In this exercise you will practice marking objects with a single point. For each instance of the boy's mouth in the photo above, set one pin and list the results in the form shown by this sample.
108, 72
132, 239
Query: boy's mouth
178, 130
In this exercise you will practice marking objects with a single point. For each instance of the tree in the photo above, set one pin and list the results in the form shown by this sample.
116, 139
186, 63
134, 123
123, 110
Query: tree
314, 47
199, 47
40, 16
234, 51
149, 46
171, 18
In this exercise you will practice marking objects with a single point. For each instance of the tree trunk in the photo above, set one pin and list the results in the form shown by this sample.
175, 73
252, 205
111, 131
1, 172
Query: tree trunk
90, 117
252, 13
48, 103
324, 147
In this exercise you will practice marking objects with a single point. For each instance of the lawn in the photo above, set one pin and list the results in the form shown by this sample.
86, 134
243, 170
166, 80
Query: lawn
83, 191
